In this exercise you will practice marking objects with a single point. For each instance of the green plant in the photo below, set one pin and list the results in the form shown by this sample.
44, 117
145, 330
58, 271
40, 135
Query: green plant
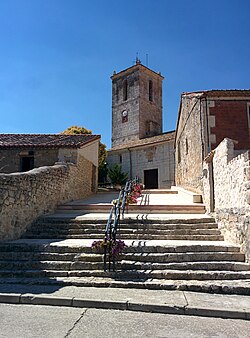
116, 175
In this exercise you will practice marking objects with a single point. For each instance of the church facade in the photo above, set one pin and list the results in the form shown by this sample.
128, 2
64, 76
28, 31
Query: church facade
138, 143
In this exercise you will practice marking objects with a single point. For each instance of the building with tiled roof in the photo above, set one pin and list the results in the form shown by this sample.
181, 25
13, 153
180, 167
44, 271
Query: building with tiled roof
45, 140
23, 152
205, 118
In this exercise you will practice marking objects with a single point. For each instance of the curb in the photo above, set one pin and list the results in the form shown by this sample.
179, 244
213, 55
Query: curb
30, 299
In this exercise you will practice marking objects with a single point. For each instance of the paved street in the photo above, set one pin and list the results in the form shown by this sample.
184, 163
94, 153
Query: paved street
28, 321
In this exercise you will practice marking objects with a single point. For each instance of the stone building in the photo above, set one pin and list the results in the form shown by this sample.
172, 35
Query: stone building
23, 152
138, 143
205, 119
40, 172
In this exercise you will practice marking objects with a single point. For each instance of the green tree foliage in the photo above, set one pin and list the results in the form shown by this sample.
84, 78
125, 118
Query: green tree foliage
116, 175
76, 130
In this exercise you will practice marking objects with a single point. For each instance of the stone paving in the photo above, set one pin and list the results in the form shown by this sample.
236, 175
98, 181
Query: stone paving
161, 301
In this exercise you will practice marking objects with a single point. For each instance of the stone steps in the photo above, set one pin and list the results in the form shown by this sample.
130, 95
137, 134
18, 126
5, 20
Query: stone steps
134, 237
134, 208
124, 265
121, 232
137, 247
199, 265
123, 226
186, 257
133, 274
239, 286
145, 257
159, 254
167, 262
200, 229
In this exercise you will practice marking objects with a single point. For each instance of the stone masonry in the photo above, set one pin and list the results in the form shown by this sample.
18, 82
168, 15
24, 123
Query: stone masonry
136, 104
10, 159
25, 196
205, 119
231, 190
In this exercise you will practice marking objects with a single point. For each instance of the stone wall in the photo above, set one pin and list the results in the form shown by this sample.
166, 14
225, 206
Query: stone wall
189, 146
25, 196
135, 160
143, 114
10, 159
231, 176
125, 130
150, 116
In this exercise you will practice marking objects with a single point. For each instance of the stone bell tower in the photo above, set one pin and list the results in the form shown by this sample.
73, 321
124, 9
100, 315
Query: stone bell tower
136, 104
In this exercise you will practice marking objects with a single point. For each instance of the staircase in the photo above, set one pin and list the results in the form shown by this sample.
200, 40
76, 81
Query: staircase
186, 254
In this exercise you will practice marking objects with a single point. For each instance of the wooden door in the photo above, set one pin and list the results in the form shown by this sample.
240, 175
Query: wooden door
151, 179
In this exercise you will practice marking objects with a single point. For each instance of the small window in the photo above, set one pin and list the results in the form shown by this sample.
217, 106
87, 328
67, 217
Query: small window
179, 152
26, 163
186, 146
150, 90
120, 158
125, 90
124, 116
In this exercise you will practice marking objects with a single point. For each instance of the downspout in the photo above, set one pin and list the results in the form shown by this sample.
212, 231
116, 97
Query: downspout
130, 163
201, 128
210, 165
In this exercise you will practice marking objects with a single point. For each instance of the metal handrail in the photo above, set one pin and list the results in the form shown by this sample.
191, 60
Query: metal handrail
107, 236
113, 222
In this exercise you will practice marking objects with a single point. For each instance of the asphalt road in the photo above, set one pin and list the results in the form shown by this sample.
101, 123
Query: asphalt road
26, 321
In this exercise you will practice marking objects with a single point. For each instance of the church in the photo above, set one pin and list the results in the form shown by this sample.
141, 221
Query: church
138, 142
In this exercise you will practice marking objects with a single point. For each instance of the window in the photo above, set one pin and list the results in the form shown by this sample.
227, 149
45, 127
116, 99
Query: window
27, 163
26, 160
186, 146
150, 90
125, 90
120, 158
179, 152
124, 116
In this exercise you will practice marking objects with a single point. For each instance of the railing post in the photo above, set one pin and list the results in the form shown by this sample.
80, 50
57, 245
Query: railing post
112, 226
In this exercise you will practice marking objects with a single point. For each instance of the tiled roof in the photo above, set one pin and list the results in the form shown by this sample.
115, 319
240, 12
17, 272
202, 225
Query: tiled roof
45, 140
147, 141
222, 92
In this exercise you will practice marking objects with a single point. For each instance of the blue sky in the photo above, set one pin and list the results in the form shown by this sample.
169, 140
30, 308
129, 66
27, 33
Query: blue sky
57, 56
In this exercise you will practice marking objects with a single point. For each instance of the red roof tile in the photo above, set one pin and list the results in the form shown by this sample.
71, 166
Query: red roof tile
222, 93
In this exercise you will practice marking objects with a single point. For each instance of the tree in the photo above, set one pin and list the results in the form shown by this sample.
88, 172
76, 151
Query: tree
116, 175
76, 130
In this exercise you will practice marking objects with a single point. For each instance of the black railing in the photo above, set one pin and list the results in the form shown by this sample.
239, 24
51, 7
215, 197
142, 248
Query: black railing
113, 224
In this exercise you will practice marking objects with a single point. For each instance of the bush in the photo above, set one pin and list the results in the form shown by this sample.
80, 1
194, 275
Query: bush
116, 175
